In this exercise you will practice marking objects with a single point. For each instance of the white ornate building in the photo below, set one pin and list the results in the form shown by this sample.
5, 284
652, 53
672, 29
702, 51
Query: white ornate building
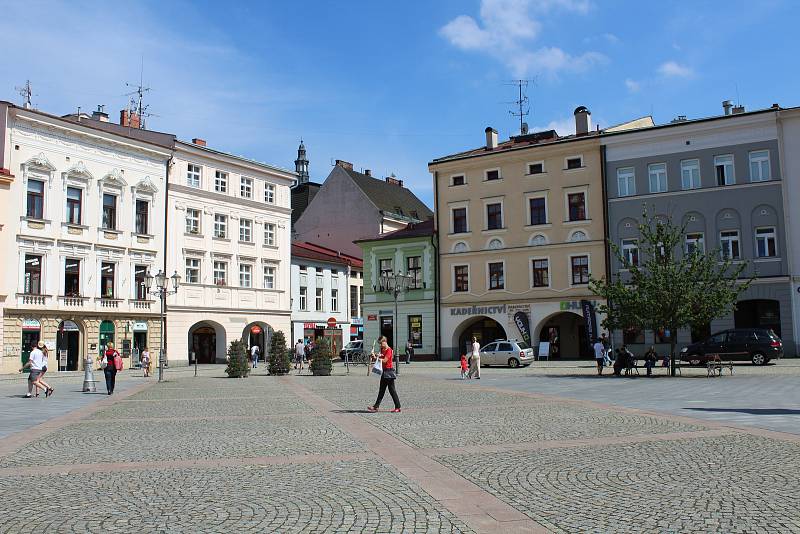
229, 226
82, 222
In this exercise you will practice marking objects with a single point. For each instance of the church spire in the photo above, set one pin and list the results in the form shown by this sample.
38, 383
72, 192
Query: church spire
301, 164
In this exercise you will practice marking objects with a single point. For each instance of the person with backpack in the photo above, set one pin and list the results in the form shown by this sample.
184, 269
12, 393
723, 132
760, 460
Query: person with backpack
111, 362
255, 352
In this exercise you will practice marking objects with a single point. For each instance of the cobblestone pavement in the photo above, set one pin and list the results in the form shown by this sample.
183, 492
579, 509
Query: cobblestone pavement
301, 454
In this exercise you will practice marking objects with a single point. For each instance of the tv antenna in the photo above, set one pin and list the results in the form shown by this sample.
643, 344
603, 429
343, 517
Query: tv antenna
522, 104
136, 104
26, 92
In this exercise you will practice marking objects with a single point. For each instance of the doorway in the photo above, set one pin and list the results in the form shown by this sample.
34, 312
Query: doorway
483, 329
68, 344
31, 334
106, 335
387, 329
204, 345
761, 313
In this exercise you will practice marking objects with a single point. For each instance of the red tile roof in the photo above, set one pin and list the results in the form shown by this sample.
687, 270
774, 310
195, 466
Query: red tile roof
303, 249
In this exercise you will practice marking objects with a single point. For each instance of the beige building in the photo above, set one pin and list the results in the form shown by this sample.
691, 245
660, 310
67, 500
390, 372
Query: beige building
521, 229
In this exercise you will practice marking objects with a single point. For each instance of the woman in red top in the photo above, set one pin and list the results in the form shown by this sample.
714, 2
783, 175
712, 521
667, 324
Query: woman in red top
387, 378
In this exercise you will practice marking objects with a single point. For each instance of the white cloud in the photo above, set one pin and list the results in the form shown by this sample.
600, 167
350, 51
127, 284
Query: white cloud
672, 69
564, 126
632, 85
507, 31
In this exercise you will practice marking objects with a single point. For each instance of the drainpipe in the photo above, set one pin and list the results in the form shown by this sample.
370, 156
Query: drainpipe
606, 248
437, 334
166, 234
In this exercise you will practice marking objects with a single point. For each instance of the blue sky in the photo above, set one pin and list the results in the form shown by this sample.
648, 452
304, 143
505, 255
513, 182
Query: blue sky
391, 85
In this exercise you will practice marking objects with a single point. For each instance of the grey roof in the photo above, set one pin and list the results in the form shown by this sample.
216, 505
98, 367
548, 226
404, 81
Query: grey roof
389, 197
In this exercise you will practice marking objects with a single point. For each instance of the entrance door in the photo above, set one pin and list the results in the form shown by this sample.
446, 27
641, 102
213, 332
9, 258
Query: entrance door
68, 339
29, 339
552, 334
106, 335
204, 345
387, 329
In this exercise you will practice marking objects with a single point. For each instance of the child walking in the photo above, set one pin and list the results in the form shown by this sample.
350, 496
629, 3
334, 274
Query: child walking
464, 366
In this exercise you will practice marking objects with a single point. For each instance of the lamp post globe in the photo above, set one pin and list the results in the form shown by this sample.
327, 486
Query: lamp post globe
148, 281
176, 280
161, 280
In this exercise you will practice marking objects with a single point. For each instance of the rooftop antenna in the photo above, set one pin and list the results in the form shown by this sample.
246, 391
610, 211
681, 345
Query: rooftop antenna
522, 104
26, 91
137, 104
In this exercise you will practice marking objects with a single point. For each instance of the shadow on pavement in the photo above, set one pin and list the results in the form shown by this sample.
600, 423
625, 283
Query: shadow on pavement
351, 411
751, 411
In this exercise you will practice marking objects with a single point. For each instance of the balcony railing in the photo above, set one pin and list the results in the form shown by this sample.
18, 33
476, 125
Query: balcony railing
75, 301
109, 302
33, 299
139, 304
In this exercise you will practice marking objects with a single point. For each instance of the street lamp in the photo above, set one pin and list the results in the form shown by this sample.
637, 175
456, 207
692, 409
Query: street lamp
394, 283
161, 291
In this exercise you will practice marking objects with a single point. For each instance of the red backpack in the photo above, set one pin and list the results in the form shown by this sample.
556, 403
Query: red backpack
117, 361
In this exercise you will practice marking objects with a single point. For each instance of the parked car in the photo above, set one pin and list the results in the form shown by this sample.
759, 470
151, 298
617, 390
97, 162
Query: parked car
506, 352
758, 345
352, 348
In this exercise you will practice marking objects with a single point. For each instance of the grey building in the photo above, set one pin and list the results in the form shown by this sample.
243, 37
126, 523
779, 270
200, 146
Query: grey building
722, 177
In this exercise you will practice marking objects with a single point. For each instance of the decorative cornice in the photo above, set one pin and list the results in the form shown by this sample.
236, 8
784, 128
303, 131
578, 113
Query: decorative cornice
146, 185
113, 178
79, 170
40, 161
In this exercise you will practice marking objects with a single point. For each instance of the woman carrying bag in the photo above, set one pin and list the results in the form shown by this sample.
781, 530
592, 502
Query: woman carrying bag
110, 363
388, 376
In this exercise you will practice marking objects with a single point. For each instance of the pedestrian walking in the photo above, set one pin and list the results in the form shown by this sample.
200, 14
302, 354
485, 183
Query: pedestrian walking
475, 360
255, 351
299, 354
388, 376
146, 361
464, 366
409, 351
650, 359
599, 355
110, 362
37, 362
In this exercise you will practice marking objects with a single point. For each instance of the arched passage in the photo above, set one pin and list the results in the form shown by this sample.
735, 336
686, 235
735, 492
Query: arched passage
485, 329
207, 342
257, 333
566, 333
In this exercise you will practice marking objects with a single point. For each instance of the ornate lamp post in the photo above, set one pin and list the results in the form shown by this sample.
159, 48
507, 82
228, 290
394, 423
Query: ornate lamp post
161, 291
394, 283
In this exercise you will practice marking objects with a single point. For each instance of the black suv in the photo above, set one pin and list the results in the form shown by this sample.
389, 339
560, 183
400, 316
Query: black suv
758, 345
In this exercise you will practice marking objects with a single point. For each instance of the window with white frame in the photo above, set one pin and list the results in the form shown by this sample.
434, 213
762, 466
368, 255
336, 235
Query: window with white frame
494, 216
759, 166
246, 230
269, 193
72, 277
574, 163
193, 175
538, 210
334, 300
580, 269
303, 298
576, 203
354, 301
108, 273
35, 199
192, 221
540, 275
536, 167
246, 187
74, 205
626, 182
493, 174
221, 182
142, 216
657, 174
766, 243
245, 275
459, 217
109, 212
414, 271
220, 273
269, 277
723, 170
318, 304
695, 242
220, 226
496, 275
33, 275
460, 278
269, 234
690, 174
192, 270
458, 179
729, 247
630, 251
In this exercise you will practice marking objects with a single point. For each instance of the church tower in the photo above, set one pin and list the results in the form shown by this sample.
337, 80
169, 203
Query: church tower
301, 164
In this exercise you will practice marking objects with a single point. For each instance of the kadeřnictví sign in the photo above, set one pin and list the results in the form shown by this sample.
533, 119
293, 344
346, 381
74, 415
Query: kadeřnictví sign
478, 310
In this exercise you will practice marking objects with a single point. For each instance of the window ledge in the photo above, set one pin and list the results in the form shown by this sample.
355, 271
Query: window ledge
543, 226
458, 185
577, 223
495, 180
494, 231
188, 234
272, 247
536, 174
108, 299
74, 225
111, 231
539, 288
575, 169
460, 234
35, 220
73, 297
246, 242
148, 236
769, 259
215, 238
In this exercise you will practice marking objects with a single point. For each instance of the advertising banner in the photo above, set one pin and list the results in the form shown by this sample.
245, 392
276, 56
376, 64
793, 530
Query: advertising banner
523, 325
590, 319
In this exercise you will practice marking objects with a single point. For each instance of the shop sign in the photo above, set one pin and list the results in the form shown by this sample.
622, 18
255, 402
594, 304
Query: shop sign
31, 324
385, 312
309, 325
523, 325
140, 326
372, 317
479, 310
574, 305
356, 320
331, 322
255, 330
69, 326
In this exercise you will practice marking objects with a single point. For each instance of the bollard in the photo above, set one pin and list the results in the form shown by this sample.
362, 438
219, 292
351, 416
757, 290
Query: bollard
89, 383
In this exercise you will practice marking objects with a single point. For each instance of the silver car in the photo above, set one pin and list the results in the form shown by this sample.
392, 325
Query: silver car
506, 352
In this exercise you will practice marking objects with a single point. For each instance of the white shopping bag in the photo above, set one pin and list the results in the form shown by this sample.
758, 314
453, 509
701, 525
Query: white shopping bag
377, 367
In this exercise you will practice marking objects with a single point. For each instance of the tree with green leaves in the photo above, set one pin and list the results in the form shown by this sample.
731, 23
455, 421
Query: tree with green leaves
279, 357
321, 356
667, 287
238, 365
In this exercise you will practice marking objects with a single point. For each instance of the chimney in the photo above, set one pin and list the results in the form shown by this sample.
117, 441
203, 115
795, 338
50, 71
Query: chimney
738, 110
100, 114
776, 106
491, 138
129, 118
199, 142
368, 172
394, 180
727, 105
344, 164
583, 120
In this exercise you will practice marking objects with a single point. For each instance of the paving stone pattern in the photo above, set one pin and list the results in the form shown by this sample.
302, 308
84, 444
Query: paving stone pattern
297, 454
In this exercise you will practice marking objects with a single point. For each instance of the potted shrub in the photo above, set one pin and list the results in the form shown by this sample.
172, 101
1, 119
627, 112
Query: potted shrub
321, 364
238, 365
279, 357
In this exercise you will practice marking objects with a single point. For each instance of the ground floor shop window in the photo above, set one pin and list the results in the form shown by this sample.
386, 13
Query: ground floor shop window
415, 330
663, 335
632, 336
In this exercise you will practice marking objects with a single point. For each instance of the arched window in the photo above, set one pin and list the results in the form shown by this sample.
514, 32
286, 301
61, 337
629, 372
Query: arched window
460, 247
578, 235
495, 244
